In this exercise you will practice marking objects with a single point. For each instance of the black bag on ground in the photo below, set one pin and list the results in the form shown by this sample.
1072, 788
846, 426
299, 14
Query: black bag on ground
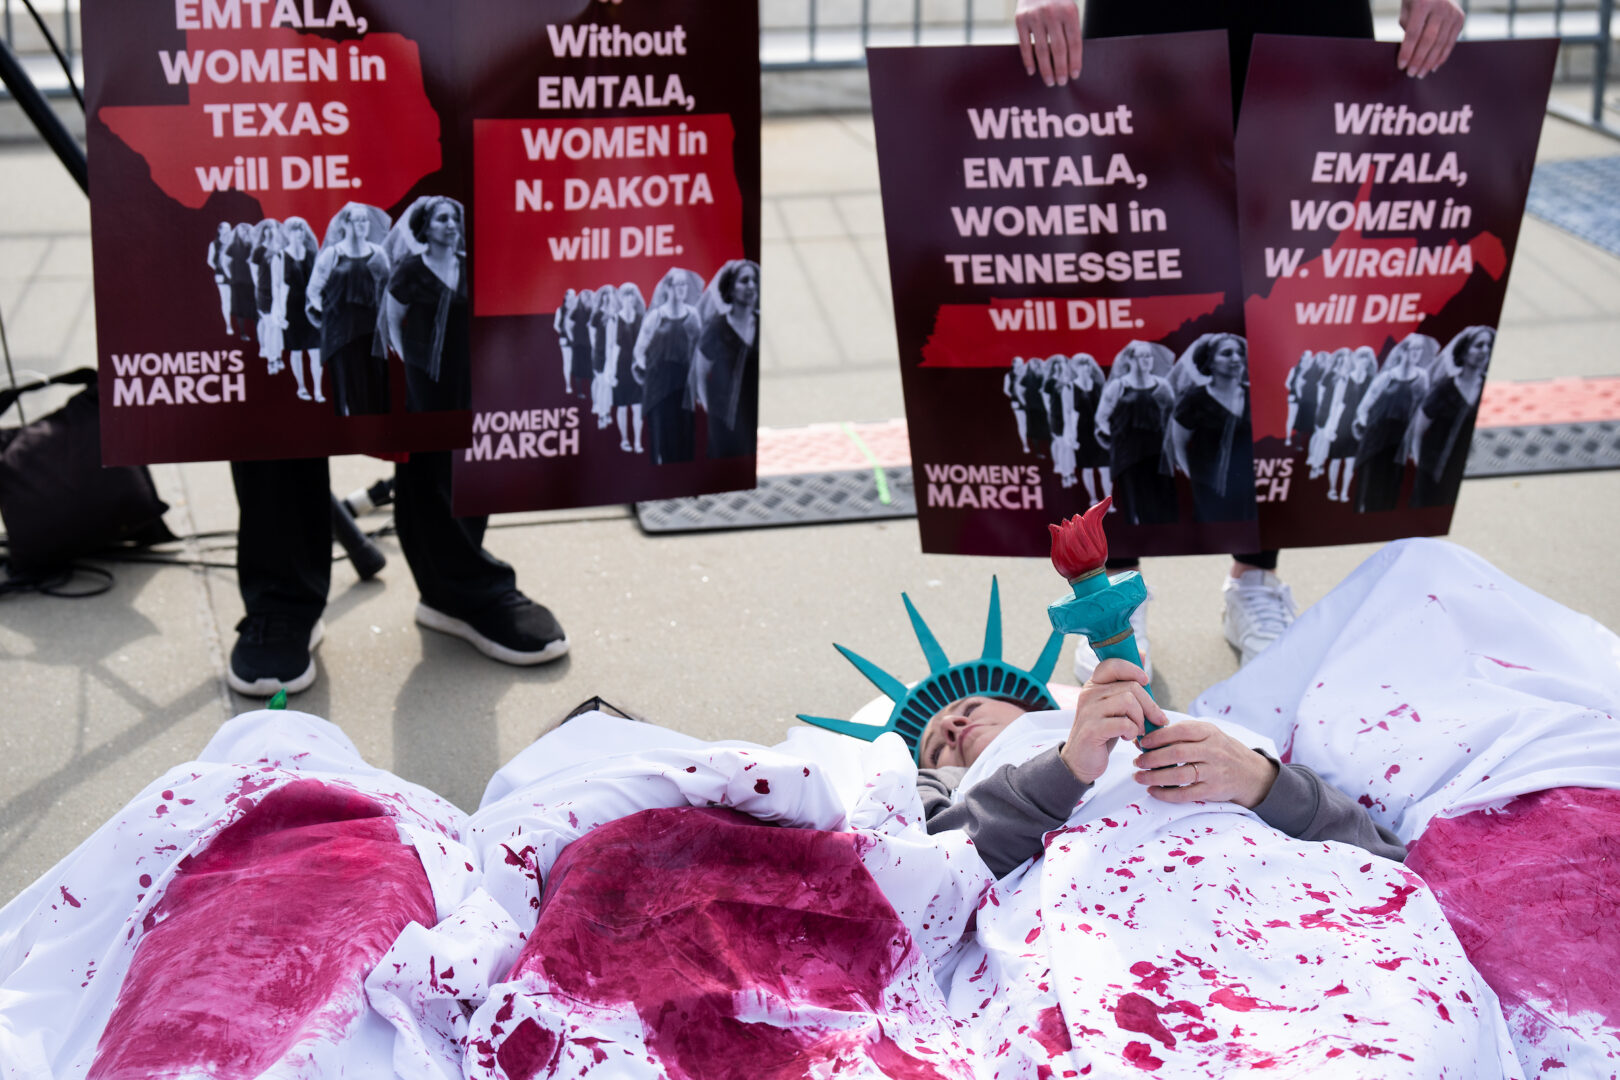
56, 500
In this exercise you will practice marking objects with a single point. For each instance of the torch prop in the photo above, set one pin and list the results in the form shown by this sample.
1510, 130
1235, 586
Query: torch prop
1100, 609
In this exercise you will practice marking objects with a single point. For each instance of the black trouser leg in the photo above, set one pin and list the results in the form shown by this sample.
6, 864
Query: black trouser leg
1265, 560
453, 572
284, 536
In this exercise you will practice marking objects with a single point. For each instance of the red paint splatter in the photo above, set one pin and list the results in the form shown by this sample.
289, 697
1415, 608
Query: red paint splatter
1141, 1055
1153, 978
1133, 1012
1391, 965
1391, 771
527, 1050
265, 937
146, 881
684, 913
1436, 600
1237, 1002
1392, 905
691, 768
763, 787
69, 897
1504, 663
1366, 1051
1552, 1063
168, 795
1052, 1032
1540, 916
1337, 990
1029, 938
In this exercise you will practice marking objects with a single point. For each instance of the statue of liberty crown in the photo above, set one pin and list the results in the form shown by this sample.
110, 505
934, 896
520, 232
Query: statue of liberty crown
989, 675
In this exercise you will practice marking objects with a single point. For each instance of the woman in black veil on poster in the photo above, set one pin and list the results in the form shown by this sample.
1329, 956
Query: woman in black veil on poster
579, 337
301, 337
220, 264
1033, 391
428, 322
1090, 456
1383, 419
664, 350
726, 372
626, 386
1443, 427
345, 298
1212, 437
244, 301
1131, 422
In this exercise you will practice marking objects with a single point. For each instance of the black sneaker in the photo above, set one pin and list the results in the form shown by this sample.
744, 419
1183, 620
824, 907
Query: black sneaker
273, 653
513, 630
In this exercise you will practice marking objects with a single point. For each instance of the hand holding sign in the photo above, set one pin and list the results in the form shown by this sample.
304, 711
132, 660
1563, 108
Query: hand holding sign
1432, 28
1049, 38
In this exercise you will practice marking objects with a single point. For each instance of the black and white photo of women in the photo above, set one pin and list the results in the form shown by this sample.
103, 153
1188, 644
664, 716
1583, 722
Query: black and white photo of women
1012, 387
604, 342
244, 305
1385, 417
1060, 410
1132, 420
563, 324
1331, 378
726, 367
632, 312
1342, 399
1211, 433
664, 350
1292, 382
269, 292
428, 317
1090, 456
300, 337
1033, 391
1443, 427
220, 263
345, 300
1308, 389
579, 344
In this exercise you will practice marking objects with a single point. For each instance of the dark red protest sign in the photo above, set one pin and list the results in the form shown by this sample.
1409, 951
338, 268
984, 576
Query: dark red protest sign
616, 179
1379, 217
1067, 294
268, 279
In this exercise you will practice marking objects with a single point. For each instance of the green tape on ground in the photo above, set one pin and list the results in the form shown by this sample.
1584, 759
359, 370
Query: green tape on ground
878, 474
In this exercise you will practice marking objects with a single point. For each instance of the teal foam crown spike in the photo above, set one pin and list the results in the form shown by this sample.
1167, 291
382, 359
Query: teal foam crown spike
946, 682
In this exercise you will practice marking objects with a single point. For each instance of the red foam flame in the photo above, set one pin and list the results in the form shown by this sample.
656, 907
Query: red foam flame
1079, 545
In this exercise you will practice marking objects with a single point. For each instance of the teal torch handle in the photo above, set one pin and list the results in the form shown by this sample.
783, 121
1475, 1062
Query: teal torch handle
1099, 609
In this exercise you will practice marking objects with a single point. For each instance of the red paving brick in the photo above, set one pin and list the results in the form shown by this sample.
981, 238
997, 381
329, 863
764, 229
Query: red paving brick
827, 447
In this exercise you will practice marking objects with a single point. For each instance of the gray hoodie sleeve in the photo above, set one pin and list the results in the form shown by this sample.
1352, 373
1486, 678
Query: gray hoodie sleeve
1306, 807
1007, 813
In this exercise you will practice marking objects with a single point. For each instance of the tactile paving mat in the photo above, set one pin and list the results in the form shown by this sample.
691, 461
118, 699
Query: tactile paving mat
1544, 448
1580, 197
787, 499
841, 472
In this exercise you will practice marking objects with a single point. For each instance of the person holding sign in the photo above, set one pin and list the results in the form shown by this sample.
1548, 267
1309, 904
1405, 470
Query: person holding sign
1050, 42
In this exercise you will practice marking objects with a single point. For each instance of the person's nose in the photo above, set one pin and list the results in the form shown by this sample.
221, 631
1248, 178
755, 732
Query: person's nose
953, 728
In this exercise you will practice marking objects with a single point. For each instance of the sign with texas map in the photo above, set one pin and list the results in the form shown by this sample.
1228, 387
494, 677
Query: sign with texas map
525, 229
1067, 294
278, 214
1379, 216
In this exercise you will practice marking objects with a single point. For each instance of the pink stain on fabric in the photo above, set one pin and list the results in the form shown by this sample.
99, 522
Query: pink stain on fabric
685, 913
1133, 1012
1140, 1054
1052, 1032
1533, 892
68, 897
263, 939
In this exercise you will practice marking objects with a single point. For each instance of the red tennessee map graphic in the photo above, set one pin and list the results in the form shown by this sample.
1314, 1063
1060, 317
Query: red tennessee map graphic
965, 335
310, 123
1277, 338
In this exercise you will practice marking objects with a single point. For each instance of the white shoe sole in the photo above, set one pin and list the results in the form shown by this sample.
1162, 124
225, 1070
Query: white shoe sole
438, 620
263, 688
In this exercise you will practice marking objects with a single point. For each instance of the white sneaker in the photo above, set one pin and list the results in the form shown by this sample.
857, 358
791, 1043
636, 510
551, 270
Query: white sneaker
1085, 661
1259, 607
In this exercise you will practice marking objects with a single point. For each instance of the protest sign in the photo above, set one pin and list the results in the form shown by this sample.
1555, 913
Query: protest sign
1067, 294
1379, 216
256, 171
616, 162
